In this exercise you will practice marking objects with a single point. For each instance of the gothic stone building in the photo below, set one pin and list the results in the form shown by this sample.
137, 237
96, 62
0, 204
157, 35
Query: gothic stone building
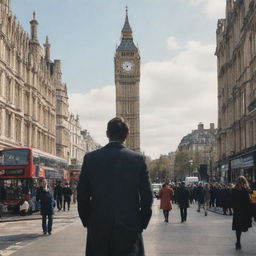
30, 88
201, 148
127, 78
236, 54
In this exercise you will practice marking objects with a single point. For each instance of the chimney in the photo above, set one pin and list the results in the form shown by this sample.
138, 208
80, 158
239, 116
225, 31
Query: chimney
57, 69
200, 126
211, 126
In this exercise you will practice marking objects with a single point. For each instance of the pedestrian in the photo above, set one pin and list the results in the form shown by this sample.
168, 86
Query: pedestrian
212, 196
74, 191
200, 196
114, 196
44, 196
24, 207
67, 193
165, 195
207, 197
242, 215
227, 199
58, 195
183, 197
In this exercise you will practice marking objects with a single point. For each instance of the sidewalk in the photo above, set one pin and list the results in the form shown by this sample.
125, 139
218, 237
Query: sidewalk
11, 217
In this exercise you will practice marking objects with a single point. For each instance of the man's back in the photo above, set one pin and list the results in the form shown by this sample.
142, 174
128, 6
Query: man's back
114, 199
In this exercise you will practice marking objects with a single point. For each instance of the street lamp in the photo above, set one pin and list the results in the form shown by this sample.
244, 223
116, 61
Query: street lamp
190, 166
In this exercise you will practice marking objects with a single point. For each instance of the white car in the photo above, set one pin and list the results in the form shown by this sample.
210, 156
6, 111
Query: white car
156, 188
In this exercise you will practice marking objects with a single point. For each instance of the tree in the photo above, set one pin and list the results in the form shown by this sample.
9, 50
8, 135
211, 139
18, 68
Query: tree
159, 169
181, 165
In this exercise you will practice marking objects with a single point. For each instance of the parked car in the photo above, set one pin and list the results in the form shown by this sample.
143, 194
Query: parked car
156, 188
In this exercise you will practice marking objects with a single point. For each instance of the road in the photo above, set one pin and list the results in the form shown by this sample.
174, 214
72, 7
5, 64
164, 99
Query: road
200, 235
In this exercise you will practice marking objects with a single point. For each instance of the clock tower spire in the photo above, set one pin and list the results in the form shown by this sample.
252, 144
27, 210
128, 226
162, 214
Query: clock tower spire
127, 79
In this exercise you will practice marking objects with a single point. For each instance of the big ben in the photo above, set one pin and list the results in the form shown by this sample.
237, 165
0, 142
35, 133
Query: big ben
127, 81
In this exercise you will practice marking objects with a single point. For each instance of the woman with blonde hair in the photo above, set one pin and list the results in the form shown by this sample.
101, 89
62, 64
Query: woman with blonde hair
242, 215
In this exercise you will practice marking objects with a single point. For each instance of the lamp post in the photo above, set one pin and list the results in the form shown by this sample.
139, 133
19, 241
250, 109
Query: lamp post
190, 166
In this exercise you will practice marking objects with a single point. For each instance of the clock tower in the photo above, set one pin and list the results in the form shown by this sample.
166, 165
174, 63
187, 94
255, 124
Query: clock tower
127, 79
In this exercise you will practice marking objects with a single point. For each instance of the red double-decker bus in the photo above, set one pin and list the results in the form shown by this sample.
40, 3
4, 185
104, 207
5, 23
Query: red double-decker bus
20, 169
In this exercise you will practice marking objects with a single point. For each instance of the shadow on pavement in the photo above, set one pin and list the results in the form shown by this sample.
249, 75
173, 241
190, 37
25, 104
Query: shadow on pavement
20, 237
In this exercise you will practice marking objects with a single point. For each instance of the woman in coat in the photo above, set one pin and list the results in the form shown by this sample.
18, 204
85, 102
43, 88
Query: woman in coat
165, 195
242, 215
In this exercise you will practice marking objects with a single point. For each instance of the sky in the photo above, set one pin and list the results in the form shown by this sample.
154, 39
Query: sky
176, 39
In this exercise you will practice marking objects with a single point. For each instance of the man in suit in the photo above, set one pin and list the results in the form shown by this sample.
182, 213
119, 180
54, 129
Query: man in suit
183, 201
114, 196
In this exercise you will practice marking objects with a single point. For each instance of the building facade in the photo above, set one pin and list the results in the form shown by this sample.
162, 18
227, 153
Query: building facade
201, 149
27, 86
236, 55
34, 108
62, 114
80, 142
127, 79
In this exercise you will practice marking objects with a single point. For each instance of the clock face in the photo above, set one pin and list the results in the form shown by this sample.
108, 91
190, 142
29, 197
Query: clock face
127, 66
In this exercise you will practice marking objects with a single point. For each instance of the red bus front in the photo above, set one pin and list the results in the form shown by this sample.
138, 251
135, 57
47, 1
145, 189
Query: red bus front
16, 176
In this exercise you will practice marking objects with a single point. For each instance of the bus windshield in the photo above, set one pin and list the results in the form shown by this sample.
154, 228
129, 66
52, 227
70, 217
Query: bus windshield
14, 157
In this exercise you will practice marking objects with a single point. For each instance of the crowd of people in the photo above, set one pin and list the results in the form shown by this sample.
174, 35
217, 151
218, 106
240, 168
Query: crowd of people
237, 199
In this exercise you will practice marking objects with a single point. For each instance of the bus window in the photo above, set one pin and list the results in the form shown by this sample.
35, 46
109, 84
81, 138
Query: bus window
15, 157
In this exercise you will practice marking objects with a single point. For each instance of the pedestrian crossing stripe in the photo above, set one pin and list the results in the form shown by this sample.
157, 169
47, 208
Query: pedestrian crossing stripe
10, 250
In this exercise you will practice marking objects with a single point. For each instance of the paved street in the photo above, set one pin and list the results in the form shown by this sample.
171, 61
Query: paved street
211, 235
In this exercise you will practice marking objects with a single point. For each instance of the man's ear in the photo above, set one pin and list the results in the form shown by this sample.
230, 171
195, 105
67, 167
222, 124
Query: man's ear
128, 134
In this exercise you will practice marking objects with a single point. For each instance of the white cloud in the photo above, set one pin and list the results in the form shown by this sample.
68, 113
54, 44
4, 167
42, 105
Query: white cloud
212, 8
172, 43
176, 94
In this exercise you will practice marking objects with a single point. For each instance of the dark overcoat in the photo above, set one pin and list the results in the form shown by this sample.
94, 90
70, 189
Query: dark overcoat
114, 201
183, 196
45, 198
242, 211
67, 193
200, 194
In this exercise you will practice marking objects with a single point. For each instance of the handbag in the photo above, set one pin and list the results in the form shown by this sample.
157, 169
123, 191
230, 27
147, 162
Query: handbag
253, 203
253, 197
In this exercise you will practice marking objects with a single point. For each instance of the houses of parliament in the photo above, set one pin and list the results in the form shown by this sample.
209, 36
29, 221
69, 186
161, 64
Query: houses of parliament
34, 108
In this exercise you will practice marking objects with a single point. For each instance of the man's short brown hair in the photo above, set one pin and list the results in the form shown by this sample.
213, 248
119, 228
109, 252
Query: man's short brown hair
117, 129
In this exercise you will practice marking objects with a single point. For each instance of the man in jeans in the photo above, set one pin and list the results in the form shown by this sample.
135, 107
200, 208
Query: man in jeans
46, 200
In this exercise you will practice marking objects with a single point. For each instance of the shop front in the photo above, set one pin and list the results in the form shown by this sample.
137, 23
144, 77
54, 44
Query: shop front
243, 165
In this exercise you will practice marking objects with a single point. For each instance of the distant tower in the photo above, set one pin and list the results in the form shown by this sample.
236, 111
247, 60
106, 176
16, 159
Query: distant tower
127, 79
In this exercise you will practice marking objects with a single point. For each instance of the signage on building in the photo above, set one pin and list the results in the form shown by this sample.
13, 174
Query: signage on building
11, 172
242, 162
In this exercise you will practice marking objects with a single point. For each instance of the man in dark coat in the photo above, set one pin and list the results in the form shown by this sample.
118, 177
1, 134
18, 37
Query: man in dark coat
114, 196
58, 195
67, 193
46, 201
200, 196
183, 196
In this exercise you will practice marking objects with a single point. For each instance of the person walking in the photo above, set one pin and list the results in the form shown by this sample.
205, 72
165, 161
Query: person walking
58, 195
114, 196
165, 195
67, 193
200, 196
207, 198
242, 215
183, 197
74, 191
44, 196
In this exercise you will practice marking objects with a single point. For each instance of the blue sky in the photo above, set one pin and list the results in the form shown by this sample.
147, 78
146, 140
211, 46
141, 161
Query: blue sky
174, 36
